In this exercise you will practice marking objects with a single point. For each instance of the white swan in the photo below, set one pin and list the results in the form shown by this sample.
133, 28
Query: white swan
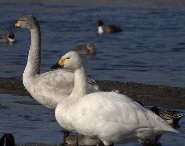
108, 116
48, 88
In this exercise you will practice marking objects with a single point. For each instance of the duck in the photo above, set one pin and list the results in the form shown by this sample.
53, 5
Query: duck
7, 38
171, 117
88, 49
102, 28
168, 116
7, 140
48, 88
108, 116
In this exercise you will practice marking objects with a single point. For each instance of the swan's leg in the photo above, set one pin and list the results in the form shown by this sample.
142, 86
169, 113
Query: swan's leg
106, 143
77, 140
110, 145
66, 134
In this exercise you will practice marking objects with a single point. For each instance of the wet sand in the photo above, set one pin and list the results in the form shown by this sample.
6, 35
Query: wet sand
164, 96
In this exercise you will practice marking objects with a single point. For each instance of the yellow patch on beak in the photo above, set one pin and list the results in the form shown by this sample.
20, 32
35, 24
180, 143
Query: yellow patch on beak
18, 24
62, 61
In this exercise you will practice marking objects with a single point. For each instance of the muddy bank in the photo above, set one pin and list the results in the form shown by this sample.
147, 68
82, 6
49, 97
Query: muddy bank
165, 96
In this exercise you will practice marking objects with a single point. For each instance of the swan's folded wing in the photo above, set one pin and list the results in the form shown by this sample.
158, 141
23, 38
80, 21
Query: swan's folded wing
59, 81
50, 88
115, 115
98, 115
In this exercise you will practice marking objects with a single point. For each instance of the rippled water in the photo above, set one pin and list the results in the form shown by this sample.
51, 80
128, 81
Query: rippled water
151, 49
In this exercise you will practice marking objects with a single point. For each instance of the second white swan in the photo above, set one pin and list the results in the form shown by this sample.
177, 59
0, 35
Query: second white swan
108, 116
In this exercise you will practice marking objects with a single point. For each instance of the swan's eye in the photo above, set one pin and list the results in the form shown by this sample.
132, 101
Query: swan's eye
67, 58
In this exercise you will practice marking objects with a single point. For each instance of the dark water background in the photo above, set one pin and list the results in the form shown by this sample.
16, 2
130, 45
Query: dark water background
151, 50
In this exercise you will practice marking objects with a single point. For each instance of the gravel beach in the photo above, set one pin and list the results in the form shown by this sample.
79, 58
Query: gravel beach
164, 96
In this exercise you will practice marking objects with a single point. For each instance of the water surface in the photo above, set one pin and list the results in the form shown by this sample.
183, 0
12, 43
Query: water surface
150, 49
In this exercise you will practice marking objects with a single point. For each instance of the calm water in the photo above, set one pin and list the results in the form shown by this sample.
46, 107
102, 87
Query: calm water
151, 50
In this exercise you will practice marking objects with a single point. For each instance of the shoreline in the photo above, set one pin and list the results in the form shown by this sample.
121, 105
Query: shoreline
158, 95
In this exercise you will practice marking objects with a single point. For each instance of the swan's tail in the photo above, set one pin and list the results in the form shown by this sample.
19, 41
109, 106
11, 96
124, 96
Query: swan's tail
156, 127
160, 125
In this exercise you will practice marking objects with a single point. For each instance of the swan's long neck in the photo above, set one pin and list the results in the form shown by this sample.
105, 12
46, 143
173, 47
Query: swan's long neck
80, 83
34, 56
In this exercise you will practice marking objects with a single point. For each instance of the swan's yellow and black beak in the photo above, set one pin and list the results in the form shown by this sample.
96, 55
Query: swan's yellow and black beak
55, 66
59, 64
17, 25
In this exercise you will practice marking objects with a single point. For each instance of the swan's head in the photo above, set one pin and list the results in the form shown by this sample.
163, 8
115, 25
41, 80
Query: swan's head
70, 60
30, 22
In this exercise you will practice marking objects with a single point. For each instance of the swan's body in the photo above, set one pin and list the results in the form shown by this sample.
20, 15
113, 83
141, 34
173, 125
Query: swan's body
102, 28
48, 88
7, 38
111, 117
108, 116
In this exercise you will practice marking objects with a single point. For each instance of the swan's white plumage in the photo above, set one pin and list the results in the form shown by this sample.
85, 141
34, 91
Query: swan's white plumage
109, 116
47, 88
51, 87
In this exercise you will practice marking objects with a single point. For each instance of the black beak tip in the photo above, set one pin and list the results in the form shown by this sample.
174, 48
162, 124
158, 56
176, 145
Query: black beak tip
55, 66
